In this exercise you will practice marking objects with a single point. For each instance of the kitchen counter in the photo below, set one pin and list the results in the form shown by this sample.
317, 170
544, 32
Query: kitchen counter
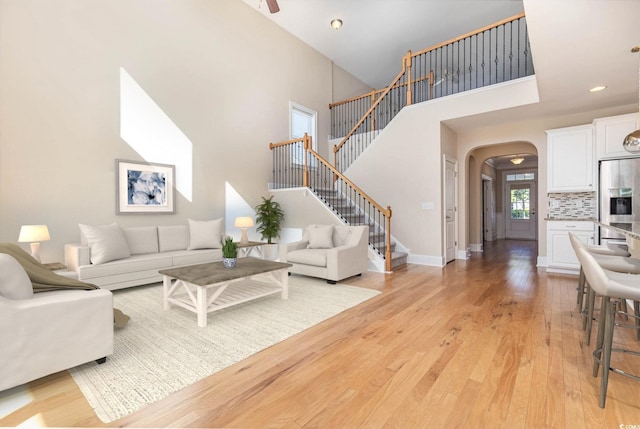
628, 229
565, 219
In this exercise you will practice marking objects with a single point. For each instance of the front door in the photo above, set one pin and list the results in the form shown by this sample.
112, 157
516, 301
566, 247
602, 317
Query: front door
521, 211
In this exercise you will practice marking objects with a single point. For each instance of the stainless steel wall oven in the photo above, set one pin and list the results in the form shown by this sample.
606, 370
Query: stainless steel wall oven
619, 196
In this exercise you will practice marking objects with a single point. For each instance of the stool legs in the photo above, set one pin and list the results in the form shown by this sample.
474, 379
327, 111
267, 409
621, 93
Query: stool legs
580, 289
636, 312
587, 322
609, 315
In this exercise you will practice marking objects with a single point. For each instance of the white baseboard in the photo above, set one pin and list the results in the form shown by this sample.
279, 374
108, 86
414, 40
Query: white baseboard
432, 261
476, 247
563, 271
463, 254
542, 261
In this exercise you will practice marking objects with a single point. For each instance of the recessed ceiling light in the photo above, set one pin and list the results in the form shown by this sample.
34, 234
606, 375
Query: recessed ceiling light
336, 23
597, 88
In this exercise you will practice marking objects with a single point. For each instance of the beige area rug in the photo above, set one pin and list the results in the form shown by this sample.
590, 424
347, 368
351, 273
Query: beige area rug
160, 352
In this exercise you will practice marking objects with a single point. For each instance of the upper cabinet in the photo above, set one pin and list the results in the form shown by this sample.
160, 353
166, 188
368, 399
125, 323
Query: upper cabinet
610, 133
570, 162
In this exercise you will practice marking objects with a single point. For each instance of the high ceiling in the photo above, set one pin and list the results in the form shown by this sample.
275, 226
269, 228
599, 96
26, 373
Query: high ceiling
380, 32
576, 44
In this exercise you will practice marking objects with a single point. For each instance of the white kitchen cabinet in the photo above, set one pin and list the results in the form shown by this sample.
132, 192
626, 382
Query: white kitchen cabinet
570, 161
561, 257
610, 133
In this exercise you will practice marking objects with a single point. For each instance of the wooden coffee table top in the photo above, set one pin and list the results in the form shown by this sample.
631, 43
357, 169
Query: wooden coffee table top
214, 272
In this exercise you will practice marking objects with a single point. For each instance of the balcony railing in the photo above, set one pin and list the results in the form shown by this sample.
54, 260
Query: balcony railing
493, 54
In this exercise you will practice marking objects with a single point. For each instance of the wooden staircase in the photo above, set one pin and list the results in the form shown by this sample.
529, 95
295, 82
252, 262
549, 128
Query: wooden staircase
351, 215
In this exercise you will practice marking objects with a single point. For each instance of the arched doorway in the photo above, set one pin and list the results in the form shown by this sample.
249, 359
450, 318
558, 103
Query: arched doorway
501, 195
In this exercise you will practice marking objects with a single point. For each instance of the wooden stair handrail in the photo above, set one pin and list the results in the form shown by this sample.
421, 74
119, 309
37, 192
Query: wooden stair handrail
386, 212
432, 48
350, 183
337, 147
472, 33
275, 145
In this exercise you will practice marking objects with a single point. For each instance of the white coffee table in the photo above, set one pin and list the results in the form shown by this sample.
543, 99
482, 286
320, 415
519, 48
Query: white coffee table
189, 286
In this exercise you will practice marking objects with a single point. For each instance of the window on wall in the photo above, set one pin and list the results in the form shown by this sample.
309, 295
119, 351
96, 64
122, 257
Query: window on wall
515, 177
302, 120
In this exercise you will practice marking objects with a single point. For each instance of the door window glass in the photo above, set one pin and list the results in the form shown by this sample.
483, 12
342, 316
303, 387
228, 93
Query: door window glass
520, 201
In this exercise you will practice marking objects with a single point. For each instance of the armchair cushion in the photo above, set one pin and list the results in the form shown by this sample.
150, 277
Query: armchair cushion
320, 236
107, 242
315, 257
14, 281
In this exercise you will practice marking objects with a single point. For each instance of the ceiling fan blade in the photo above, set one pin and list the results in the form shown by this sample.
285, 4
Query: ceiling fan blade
273, 6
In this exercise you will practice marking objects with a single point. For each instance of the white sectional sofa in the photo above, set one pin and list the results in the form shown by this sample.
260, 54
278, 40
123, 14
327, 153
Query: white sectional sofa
114, 258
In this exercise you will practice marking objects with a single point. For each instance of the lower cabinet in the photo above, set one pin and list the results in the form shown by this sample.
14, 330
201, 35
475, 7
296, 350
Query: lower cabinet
560, 255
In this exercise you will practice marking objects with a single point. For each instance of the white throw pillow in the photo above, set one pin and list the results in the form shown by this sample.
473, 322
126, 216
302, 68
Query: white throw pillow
14, 281
320, 236
205, 234
107, 242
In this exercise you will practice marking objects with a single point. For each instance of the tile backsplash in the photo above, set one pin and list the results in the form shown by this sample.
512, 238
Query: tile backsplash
578, 205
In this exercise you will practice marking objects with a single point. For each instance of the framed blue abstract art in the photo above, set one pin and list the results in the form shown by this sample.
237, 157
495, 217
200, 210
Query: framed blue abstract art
143, 187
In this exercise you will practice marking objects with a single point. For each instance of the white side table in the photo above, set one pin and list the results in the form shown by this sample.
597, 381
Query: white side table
252, 248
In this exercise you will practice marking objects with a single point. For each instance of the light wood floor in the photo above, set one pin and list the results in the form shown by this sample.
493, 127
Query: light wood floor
491, 342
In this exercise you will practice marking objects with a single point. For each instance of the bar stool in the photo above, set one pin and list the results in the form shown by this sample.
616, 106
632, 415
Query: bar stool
612, 287
617, 264
613, 259
594, 249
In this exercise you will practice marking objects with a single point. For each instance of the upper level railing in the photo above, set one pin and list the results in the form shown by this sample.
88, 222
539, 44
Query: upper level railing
296, 164
496, 53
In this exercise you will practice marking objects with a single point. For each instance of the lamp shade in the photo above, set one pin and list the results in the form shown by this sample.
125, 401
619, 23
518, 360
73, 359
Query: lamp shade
243, 222
517, 160
32, 233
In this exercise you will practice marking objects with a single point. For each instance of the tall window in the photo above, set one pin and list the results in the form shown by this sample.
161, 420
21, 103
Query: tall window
302, 120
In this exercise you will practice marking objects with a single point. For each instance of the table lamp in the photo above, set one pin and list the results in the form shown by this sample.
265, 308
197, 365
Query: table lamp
243, 223
34, 234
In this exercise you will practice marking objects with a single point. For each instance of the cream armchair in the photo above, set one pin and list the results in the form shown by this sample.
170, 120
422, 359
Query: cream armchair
331, 252
47, 332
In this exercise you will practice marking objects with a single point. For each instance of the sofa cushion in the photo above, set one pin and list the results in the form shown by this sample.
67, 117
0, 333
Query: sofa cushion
320, 236
107, 242
315, 257
205, 234
190, 257
142, 239
132, 264
174, 237
341, 234
14, 281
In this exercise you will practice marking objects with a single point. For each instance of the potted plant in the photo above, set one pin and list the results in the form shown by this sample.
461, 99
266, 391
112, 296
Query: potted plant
269, 216
229, 253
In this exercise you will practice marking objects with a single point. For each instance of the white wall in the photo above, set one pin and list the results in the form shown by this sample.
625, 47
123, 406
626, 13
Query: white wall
532, 132
219, 70
403, 168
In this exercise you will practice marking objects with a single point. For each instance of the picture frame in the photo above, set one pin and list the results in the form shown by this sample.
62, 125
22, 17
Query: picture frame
144, 187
